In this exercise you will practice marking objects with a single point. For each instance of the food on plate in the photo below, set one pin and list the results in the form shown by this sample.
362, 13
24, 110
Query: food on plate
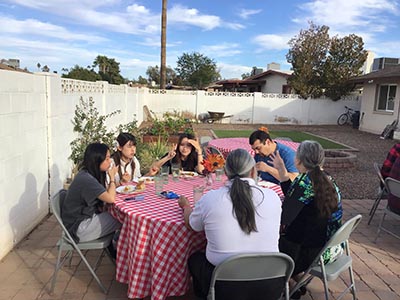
127, 188
188, 174
140, 185
147, 179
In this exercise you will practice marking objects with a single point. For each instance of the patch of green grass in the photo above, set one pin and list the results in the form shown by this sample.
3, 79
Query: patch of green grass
296, 136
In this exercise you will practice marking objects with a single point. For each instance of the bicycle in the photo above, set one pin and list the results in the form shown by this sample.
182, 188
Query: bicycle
346, 117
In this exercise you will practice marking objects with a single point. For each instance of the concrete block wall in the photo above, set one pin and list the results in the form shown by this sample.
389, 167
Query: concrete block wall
23, 160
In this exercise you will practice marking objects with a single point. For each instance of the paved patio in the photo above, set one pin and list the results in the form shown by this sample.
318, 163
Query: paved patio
25, 273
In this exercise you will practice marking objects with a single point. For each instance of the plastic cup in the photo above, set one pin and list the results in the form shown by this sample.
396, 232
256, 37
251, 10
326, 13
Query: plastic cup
165, 173
218, 174
158, 184
198, 191
175, 172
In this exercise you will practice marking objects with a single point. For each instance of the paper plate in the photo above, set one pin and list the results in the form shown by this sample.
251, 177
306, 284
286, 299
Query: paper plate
128, 189
188, 174
147, 179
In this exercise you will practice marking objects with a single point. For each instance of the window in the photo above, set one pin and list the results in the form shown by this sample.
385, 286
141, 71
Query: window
386, 96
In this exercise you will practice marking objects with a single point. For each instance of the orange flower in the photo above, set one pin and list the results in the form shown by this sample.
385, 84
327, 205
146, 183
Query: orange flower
213, 162
263, 128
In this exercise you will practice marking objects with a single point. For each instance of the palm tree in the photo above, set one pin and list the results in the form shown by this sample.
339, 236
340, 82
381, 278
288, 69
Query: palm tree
102, 62
163, 69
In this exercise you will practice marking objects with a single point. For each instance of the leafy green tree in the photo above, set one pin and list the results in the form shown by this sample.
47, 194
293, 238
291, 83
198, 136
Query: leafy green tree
108, 69
322, 65
91, 127
142, 80
347, 56
245, 75
307, 55
81, 73
196, 70
153, 74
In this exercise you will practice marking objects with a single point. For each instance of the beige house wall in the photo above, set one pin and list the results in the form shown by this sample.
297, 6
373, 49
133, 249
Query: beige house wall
372, 120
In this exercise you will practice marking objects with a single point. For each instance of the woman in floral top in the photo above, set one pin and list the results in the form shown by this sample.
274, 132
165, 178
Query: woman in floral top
312, 210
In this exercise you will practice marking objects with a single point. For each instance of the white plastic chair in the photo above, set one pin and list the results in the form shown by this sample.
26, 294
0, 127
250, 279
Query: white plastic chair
66, 243
252, 267
393, 187
331, 271
381, 194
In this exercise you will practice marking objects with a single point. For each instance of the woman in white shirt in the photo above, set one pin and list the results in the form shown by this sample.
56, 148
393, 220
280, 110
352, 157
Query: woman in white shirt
126, 161
240, 217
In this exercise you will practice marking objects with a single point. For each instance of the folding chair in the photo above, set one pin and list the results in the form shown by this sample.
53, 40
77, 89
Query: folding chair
381, 194
331, 271
252, 267
66, 243
213, 150
393, 187
204, 143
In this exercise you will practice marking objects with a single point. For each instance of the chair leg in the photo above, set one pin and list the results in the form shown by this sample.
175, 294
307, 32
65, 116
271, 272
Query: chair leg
353, 283
91, 271
56, 269
380, 227
375, 206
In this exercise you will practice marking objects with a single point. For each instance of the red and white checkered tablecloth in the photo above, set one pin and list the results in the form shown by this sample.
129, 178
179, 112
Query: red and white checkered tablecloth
154, 244
226, 145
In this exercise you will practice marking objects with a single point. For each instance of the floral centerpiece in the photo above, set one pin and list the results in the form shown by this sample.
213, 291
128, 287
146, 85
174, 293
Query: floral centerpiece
212, 162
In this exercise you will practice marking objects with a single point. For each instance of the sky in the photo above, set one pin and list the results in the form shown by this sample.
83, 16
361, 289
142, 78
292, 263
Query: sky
237, 35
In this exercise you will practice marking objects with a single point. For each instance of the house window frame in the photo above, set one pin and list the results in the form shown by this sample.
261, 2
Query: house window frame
389, 86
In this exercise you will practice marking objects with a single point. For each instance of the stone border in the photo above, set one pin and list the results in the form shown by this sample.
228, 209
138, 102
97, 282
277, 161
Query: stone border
350, 149
338, 160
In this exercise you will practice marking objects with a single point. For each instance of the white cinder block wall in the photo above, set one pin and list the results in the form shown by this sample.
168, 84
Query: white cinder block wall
36, 111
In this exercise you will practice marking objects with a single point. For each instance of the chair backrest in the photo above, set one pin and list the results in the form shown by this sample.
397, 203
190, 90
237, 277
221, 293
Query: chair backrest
254, 266
393, 186
213, 150
204, 140
56, 203
378, 168
341, 235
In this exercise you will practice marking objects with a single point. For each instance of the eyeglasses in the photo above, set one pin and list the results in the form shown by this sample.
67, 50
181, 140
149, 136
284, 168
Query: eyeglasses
187, 145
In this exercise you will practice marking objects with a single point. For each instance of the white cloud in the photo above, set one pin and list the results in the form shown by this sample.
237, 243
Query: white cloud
246, 13
272, 41
228, 71
191, 16
38, 28
349, 13
221, 50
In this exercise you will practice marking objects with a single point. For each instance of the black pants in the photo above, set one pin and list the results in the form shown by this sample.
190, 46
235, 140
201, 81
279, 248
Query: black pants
201, 270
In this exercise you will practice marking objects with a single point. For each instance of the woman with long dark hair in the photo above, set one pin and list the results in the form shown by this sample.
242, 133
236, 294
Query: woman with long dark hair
125, 159
239, 217
82, 211
187, 154
312, 210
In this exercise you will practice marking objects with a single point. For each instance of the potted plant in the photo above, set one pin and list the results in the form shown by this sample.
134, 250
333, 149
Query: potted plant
90, 127
168, 127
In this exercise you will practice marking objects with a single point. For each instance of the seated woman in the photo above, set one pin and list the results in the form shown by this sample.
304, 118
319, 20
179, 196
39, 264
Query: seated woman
239, 217
124, 158
187, 153
312, 210
393, 201
82, 211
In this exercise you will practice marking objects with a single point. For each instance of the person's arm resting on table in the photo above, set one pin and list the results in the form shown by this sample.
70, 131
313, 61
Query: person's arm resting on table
187, 210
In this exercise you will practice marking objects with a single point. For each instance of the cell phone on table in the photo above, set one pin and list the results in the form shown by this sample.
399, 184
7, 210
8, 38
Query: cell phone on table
169, 195
135, 198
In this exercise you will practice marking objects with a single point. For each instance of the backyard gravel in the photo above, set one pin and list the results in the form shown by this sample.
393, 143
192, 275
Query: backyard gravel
359, 182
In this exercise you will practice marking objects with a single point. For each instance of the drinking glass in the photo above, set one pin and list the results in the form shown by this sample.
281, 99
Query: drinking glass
158, 184
218, 174
198, 191
175, 172
165, 173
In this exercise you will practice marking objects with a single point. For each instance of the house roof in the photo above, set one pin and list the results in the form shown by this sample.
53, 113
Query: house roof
9, 68
387, 73
269, 72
